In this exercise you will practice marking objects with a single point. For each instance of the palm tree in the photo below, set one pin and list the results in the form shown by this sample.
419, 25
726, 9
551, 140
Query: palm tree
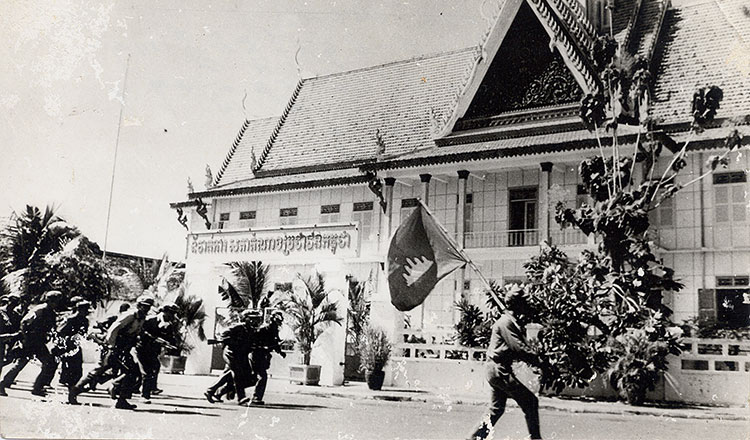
25, 242
192, 315
310, 312
251, 279
358, 313
159, 277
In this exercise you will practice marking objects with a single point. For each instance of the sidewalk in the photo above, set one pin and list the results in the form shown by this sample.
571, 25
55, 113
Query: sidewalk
359, 390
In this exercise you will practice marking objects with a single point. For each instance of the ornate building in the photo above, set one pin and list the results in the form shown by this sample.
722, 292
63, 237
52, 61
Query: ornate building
490, 137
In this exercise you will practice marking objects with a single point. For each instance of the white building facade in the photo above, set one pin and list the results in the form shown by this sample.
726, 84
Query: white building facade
490, 138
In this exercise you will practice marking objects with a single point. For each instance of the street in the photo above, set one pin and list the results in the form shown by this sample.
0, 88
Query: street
181, 412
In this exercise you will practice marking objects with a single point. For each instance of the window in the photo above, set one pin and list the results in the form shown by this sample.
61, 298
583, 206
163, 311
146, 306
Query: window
288, 216
362, 213
663, 216
247, 219
730, 197
330, 213
223, 219
522, 217
468, 213
729, 303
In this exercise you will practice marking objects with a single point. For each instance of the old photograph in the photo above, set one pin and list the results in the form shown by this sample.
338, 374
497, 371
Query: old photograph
354, 220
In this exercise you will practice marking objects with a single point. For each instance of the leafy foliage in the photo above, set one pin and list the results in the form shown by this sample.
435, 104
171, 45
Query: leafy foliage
374, 349
639, 358
77, 270
251, 280
191, 315
30, 237
473, 329
358, 313
311, 312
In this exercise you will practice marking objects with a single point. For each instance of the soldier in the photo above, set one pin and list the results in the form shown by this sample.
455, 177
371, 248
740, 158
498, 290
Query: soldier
508, 344
36, 327
99, 335
70, 332
9, 330
121, 338
268, 341
237, 340
159, 331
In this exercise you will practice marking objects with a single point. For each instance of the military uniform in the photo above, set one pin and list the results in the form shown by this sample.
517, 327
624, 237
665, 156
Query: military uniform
149, 348
508, 344
36, 325
9, 334
121, 338
238, 342
268, 342
70, 332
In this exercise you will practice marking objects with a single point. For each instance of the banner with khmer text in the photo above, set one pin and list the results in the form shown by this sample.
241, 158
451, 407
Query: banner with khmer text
275, 244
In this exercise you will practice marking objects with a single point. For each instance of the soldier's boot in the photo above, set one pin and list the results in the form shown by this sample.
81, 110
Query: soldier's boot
2, 391
72, 395
124, 404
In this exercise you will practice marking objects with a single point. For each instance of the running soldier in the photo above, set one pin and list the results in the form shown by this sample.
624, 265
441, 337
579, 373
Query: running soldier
508, 344
99, 336
238, 343
9, 329
159, 331
121, 338
268, 341
36, 327
70, 332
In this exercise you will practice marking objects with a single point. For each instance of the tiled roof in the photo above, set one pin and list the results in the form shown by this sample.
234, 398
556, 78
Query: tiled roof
238, 163
283, 182
338, 118
644, 32
515, 146
703, 44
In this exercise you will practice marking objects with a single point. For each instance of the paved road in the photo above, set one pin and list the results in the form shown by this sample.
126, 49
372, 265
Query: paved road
294, 416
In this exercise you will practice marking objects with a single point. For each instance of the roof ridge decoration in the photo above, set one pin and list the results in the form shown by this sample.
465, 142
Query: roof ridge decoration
635, 13
581, 65
267, 149
569, 30
232, 149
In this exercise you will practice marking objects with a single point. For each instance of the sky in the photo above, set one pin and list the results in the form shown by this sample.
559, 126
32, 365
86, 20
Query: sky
167, 84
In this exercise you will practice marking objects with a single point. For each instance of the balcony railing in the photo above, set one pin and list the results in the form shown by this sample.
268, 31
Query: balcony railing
567, 236
512, 238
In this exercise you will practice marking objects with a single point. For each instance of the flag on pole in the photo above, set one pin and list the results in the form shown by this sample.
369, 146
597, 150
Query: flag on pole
421, 254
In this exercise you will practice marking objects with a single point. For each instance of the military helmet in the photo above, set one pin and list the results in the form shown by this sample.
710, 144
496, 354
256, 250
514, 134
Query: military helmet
83, 304
145, 300
169, 307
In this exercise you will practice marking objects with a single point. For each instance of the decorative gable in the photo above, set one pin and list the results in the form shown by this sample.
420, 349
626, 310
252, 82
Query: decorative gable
524, 73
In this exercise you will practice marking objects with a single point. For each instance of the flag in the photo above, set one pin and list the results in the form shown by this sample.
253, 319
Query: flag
421, 254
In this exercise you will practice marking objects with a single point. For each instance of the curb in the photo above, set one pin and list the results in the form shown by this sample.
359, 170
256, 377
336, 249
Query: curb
592, 408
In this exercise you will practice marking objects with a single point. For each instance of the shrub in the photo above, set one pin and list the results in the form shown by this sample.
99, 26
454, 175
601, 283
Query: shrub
375, 350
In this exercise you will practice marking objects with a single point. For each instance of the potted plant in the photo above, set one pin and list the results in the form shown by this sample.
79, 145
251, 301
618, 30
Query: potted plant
374, 351
310, 312
191, 316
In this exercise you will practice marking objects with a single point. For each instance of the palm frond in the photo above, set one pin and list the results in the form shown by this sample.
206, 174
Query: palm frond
230, 294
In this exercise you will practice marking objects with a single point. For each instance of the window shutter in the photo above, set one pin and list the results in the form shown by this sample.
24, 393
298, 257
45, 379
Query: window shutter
707, 303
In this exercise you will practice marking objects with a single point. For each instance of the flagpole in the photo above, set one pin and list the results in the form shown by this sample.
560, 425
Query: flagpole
114, 159
463, 254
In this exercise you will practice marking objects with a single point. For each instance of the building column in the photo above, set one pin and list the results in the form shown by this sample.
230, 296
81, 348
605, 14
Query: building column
544, 185
463, 177
425, 178
386, 226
